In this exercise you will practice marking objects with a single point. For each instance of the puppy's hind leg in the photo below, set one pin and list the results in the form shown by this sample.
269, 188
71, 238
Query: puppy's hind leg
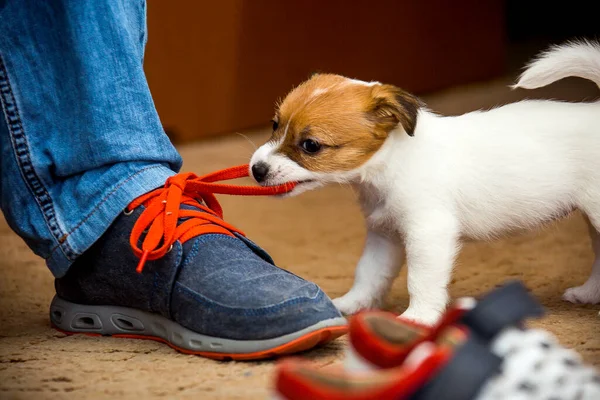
589, 292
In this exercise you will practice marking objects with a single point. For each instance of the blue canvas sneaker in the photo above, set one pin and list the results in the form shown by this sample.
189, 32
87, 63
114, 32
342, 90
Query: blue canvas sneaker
200, 285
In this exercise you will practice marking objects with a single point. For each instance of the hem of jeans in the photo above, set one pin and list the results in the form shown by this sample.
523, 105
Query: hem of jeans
21, 152
95, 224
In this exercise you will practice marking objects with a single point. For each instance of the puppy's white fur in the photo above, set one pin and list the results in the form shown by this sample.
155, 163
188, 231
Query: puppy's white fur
476, 176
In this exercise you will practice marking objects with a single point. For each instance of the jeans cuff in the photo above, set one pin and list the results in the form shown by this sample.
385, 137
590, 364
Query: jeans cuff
131, 185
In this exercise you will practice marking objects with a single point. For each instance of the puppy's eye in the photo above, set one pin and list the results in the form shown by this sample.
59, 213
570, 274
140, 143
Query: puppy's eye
275, 124
310, 146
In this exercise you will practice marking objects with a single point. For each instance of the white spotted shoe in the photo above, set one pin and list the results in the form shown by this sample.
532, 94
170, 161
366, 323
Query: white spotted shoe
485, 354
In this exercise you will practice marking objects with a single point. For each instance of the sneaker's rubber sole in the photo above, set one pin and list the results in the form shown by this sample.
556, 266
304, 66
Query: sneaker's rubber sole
124, 322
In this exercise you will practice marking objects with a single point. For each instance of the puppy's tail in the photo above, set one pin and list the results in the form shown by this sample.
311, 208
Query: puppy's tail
579, 59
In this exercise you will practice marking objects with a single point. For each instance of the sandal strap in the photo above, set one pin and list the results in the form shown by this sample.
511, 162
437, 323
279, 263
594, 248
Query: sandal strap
508, 305
470, 367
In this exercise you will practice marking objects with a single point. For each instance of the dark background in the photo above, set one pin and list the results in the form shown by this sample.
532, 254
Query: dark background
543, 22
218, 67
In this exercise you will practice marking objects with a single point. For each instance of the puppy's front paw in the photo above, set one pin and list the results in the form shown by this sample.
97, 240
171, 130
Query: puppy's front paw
584, 294
423, 317
351, 303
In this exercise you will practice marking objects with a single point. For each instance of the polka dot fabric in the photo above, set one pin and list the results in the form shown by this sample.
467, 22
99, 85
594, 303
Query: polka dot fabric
536, 367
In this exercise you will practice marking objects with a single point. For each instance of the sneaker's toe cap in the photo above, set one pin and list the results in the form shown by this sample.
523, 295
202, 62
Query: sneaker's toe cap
229, 292
305, 312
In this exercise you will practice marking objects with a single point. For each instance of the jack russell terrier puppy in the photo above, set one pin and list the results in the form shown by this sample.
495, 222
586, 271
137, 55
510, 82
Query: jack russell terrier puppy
426, 181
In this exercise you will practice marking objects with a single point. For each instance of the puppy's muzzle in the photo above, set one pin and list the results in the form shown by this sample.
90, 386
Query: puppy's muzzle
260, 170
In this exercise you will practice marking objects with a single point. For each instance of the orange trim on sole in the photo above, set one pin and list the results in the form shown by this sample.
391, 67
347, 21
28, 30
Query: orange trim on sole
303, 343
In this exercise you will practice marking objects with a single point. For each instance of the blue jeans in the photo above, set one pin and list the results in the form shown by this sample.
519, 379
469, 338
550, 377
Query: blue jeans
80, 136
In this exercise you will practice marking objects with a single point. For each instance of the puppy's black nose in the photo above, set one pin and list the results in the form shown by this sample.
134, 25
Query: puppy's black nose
260, 171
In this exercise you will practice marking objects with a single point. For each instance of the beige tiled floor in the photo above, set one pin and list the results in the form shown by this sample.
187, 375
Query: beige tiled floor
317, 235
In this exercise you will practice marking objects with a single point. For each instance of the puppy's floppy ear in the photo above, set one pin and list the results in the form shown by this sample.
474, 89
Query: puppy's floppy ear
392, 106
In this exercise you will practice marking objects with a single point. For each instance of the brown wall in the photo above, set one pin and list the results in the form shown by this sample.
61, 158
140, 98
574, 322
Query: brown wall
218, 66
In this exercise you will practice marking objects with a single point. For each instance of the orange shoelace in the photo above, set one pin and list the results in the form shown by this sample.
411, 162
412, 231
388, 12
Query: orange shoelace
161, 217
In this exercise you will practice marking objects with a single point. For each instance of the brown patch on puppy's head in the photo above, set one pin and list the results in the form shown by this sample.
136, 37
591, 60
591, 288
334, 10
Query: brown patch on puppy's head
333, 124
